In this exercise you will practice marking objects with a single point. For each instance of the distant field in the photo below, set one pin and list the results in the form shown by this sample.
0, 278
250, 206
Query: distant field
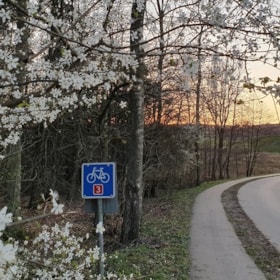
270, 144
267, 161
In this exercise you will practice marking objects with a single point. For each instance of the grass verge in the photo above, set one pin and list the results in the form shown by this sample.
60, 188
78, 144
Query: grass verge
164, 249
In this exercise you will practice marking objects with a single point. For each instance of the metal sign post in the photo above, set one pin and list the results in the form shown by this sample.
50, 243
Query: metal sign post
100, 239
99, 182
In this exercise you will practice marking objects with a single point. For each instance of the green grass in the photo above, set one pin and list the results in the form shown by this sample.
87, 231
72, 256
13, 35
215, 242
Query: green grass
270, 144
164, 251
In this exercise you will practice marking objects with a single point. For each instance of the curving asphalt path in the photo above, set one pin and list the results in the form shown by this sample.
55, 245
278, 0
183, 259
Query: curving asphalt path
260, 200
216, 252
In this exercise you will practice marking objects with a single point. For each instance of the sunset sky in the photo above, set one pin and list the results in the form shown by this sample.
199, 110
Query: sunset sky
270, 107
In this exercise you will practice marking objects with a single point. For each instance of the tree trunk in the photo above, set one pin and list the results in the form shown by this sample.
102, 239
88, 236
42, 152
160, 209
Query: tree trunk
220, 154
160, 63
197, 109
14, 178
134, 187
14, 151
133, 193
214, 159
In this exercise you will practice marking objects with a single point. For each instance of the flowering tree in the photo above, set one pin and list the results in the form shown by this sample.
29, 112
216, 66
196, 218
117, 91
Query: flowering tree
84, 63
60, 56
70, 60
55, 253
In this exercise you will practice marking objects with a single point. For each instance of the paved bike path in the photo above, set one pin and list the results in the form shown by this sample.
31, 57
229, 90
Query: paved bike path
260, 200
216, 252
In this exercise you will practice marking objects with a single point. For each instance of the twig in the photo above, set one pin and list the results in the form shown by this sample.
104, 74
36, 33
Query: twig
31, 219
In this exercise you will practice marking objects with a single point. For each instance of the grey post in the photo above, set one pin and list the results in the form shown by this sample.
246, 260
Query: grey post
100, 239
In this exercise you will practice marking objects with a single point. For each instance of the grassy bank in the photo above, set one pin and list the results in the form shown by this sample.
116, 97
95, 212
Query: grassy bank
270, 144
163, 253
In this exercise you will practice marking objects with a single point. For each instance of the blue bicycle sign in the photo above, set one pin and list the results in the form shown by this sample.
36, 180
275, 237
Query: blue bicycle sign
98, 180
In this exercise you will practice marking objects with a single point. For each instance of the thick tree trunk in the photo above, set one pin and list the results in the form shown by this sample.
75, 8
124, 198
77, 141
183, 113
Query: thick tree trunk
133, 193
14, 151
134, 186
14, 178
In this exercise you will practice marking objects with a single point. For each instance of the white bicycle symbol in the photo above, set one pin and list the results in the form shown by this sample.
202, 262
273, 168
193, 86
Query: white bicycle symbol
98, 174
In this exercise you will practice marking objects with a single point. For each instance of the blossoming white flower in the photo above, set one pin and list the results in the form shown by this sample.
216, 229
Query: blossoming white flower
57, 208
123, 104
7, 253
54, 194
4, 74
96, 253
5, 15
32, 7
111, 275
78, 81
11, 62
5, 218
100, 228
134, 35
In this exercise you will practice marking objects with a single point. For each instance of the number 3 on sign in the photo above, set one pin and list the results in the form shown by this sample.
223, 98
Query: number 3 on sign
98, 189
